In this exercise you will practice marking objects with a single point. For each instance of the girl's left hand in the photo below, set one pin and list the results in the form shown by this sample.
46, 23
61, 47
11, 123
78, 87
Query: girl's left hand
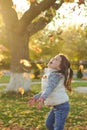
32, 101
40, 103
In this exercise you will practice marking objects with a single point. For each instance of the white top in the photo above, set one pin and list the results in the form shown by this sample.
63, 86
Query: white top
53, 89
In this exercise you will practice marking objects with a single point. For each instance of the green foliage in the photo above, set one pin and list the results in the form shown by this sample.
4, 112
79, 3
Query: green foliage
77, 84
74, 43
68, 42
44, 45
36, 71
16, 113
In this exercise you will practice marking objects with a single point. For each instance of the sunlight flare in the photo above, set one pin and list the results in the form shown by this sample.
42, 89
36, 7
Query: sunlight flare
21, 6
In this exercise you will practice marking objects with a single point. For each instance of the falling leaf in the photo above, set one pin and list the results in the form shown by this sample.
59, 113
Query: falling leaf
69, 1
39, 66
32, 76
36, 48
3, 48
21, 90
1, 73
1, 57
31, 1
14, 6
1, 122
50, 35
25, 62
80, 2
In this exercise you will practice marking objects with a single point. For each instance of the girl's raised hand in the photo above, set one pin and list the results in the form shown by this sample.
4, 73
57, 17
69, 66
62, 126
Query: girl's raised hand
32, 101
40, 103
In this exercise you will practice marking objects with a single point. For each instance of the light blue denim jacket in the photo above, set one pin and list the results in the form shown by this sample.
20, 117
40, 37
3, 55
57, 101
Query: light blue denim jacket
53, 80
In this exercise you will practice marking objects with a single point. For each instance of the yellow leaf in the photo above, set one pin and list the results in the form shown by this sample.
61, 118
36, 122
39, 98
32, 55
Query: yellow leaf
32, 76
25, 62
21, 90
39, 66
1, 74
31, 1
68, 0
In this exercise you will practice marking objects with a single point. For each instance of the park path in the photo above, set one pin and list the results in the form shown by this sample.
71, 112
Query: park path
6, 84
80, 89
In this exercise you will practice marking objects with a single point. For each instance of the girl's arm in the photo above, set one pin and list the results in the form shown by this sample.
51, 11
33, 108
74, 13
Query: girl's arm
37, 96
53, 81
33, 99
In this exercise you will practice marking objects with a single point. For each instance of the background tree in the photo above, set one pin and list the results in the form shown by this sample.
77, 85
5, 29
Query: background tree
45, 44
4, 48
67, 34
19, 32
70, 41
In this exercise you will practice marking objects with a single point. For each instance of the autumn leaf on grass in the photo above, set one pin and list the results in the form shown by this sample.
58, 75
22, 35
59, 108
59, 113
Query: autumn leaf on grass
16, 127
1, 57
1, 122
34, 129
7, 128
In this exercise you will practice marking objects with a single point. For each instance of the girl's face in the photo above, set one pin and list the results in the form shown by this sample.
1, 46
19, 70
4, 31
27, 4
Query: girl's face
55, 62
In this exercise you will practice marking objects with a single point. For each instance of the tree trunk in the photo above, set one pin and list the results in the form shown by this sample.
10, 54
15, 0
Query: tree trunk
18, 35
20, 66
19, 80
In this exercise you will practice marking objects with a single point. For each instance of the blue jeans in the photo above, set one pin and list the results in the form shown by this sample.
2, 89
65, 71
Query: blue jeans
57, 117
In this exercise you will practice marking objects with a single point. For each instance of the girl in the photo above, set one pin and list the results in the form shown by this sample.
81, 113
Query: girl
56, 79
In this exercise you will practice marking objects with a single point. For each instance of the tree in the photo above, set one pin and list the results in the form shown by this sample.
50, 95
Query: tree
45, 44
75, 42
67, 34
4, 48
19, 32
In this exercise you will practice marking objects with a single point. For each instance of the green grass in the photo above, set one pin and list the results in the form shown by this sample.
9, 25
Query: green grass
15, 111
4, 79
79, 84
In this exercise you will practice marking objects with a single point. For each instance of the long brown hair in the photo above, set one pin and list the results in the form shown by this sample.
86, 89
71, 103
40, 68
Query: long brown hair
66, 71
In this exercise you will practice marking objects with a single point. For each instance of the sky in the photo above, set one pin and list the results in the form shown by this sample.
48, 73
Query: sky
21, 5
75, 17
71, 14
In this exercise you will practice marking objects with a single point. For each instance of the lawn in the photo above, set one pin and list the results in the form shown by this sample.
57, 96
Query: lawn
15, 113
4, 79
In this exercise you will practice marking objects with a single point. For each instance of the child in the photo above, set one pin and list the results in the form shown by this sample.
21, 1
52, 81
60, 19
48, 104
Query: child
57, 77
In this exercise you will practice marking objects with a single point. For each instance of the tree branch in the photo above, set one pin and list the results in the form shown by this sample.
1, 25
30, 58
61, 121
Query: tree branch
32, 13
36, 26
43, 21
57, 6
